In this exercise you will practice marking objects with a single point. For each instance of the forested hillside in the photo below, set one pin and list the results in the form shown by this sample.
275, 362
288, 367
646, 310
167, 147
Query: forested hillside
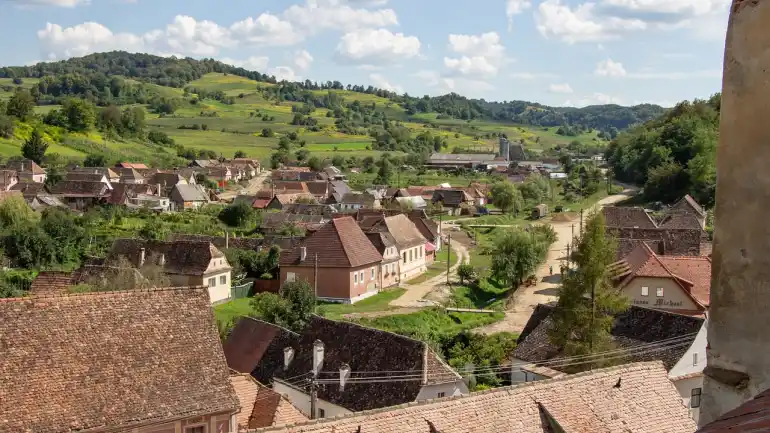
672, 155
94, 77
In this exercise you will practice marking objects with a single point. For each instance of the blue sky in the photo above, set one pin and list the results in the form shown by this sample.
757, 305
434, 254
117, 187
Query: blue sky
556, 52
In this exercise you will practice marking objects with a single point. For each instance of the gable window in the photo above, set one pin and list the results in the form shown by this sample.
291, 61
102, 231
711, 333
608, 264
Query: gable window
695, 398
694, 359
212, 282
441, 395
223, 279
659, 292
645, 291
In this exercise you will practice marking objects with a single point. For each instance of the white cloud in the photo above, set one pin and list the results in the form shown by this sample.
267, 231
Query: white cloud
254, 63
370, 46
477, 65
266, 29
607, 99
382, 83
284, 73
303, 59
649, 75
336, 15
556, 20
595, 99
56, 3
610, 68
486, 45
678, 8
515, 7
532, 75
560, 88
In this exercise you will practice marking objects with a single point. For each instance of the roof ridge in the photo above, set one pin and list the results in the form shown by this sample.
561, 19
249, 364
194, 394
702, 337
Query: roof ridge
372, 329
104, 293
505, 389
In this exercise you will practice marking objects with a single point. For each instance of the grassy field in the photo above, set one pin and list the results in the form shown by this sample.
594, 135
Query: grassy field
232, 310
378, 302
430, 323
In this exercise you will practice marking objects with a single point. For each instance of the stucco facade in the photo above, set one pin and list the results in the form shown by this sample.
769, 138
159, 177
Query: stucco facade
412, 262
215, 423
660, 293
301, 401
217, 278
389, 269
738, 360
687, 373
347, 285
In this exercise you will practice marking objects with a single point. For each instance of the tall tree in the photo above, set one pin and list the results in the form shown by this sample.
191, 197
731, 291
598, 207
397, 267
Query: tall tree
506, 196
21, 104
516, 255
582, 324
384, 172
34, 147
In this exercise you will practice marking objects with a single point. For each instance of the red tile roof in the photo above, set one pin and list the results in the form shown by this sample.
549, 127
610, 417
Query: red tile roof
750, 417
51, 283
628, 398
338, 244
138, 165
692, 274
106, 360
261, 406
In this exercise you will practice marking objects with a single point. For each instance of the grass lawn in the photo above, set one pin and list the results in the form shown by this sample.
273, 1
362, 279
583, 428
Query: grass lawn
437, 267
484, 295
432, 322
232, 310
378, 302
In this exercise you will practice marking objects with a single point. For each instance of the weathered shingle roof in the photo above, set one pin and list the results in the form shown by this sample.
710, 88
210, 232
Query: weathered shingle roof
181, 257
363, 199
29, 189
309, 209
82, 176
74, 188
339, 243
190, 192
750, 417
680, 220
261, 406
633, 327
676, 242
693, 205
627, 217
51, 283
256, 347
450, 197
274, 221
371, 350
26, 165
110, 359
645, 402
404, 231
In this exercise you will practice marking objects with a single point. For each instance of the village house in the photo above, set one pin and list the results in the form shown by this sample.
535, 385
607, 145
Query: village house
334, 173
628, 398
8, 178
389, 267
678, 341
219, 174
337, 190
452, 200
186, 263
186, 196
428, 228
680, 284
250, 165
27, 169
80, 195
352, 202
131, 175
134, 165
164, 182
409, 243
83, 176
112, 359
261, 406
122, 193
688, 206
362, 349
275, 222
111, 175
627, 217
325, 210
337, 260
289, 187
280, 200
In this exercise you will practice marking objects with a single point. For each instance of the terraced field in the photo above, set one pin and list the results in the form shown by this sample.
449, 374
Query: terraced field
228, 128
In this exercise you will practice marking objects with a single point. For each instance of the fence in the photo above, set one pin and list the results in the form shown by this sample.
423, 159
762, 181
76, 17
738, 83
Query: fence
267, 286
242, 291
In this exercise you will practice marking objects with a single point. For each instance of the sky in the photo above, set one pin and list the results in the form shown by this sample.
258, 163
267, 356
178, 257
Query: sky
555, 52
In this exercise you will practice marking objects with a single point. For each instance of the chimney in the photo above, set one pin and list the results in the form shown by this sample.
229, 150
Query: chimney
160, 191
141, 257
318, 357
288, 357
162, 260
302, 254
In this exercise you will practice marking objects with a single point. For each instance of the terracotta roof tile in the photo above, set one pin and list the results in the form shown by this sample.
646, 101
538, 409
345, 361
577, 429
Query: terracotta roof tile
646, 401
696, 270
750, 417
74, 188
630, 217
109, 359
261, 406
404, 231
339, 243
51, 283
181, 257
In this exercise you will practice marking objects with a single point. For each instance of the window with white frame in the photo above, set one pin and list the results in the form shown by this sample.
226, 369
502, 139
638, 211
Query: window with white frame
695, 359
212, 282
372, 273
291, 277
645, 291
361, 276
355, 278
223, 279
695, 398
659, 292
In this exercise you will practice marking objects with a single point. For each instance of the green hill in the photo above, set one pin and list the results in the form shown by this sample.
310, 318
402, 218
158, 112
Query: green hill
197, 108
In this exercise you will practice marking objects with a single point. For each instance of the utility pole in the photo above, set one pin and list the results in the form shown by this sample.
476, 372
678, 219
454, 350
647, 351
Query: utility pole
569, 257
573, 231
448, 256
581, 221
315, 281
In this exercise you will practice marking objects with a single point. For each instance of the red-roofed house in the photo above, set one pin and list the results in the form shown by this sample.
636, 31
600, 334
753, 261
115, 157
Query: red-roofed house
680, 284
136, 165
338, 259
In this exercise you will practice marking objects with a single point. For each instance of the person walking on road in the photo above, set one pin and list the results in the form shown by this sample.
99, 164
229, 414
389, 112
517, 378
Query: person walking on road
550, 269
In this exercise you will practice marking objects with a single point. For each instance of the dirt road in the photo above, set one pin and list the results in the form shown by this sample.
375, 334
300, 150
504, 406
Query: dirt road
254, 185
526, 298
